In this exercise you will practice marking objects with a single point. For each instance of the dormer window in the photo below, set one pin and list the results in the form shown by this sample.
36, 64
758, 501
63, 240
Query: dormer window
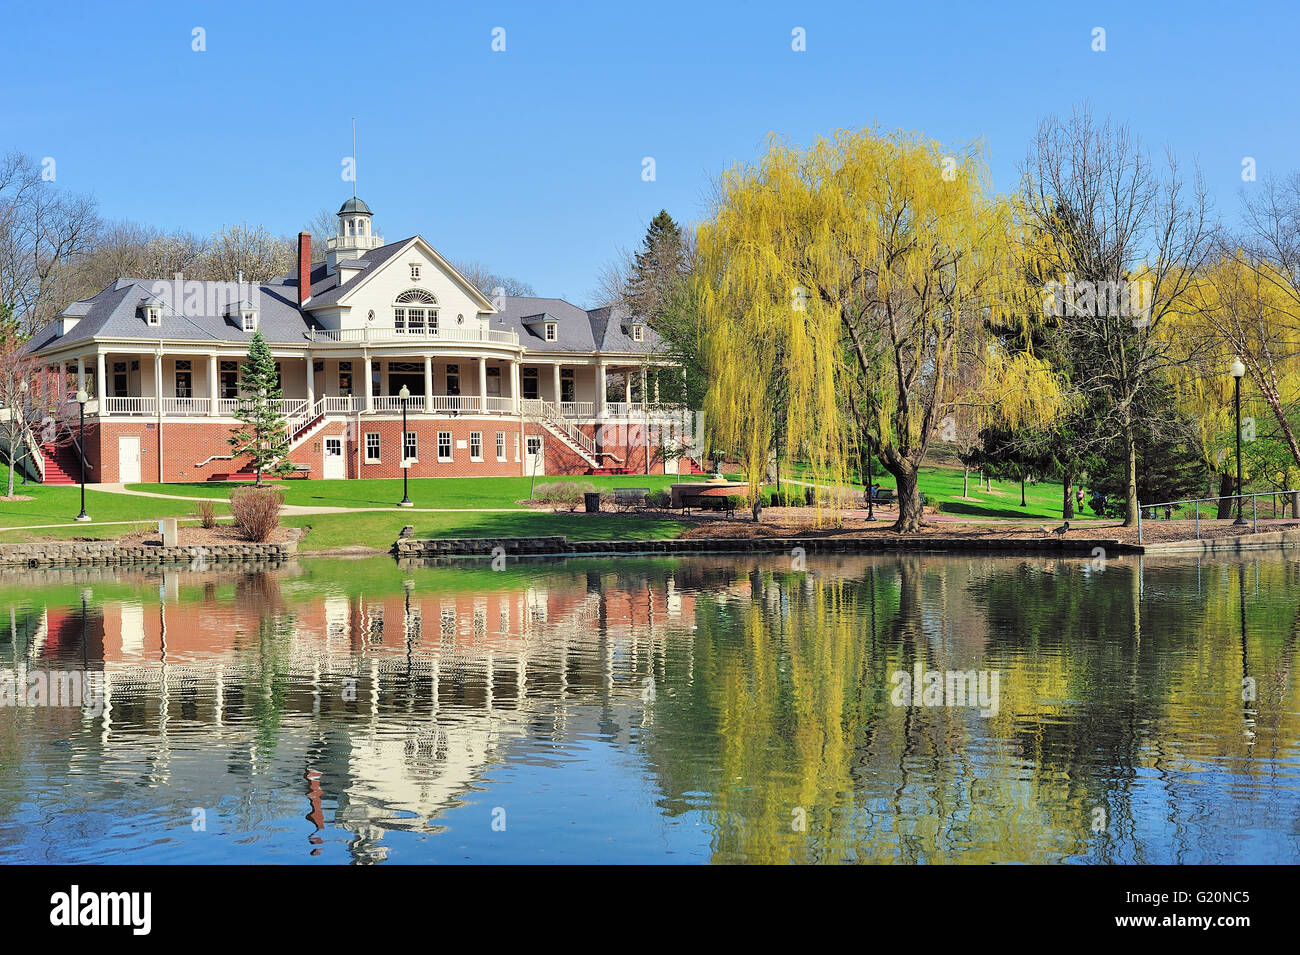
249, 320
152, 315
637, 333
552, 331
415, 271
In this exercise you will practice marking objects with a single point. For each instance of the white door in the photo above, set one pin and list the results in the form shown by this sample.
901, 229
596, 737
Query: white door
334, 468
534, 459
670, 465
128, 460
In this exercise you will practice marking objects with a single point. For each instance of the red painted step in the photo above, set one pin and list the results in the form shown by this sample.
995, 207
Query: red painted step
62, 465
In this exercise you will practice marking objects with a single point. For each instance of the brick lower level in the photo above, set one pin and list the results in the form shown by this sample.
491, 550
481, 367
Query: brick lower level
188, 450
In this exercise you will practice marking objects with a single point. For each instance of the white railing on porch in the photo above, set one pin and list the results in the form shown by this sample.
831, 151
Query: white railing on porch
392, 403
129, 406
458, 403
624, 409
500, 405
369, 334
343, 404
184, 407
578, 409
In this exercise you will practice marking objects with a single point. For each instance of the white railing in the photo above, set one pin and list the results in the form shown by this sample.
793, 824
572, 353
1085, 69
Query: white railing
186, 407
301, 420
578, 409
343, 404
369, 334
500, 405
391, 403
624, 409
549, 414
226, 407
458, 403
129, 406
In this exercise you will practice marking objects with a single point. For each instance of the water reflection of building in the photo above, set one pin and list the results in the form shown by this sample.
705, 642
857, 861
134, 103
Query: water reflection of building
388, 702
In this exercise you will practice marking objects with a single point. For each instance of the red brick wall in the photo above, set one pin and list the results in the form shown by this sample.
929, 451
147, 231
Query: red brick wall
185, 443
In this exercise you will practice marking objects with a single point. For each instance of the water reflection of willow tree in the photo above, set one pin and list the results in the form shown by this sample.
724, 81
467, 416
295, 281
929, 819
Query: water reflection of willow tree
1119, 688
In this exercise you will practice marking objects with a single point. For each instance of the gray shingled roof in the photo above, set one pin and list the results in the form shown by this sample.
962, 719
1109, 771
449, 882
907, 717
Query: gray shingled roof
115, 313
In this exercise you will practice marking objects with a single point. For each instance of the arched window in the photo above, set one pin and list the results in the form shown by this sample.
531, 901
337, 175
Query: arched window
414, 311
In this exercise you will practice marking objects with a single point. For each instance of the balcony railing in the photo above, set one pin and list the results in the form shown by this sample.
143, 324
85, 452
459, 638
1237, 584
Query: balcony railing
373, 335
578, 409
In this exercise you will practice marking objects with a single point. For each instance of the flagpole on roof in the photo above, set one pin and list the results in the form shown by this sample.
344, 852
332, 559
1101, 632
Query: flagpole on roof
354, 157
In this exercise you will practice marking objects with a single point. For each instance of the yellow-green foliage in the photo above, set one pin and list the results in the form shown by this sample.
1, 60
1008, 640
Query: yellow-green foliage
870, 263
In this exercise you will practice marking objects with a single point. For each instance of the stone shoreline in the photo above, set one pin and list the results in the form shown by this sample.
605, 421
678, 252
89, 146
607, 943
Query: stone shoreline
562, 546
89, 553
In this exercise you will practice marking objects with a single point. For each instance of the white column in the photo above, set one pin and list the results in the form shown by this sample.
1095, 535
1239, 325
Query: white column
555, 382
428, 382
101, 383
656, 387
213, 391
482, 385
600, 389
81, 373
157, 382
311, 382
514, 386
365, 373
627, 387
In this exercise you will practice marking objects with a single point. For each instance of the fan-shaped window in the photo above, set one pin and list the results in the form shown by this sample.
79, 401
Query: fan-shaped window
415, 311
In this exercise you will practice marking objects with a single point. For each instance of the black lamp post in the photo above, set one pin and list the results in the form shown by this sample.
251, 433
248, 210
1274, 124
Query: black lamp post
871, 480
405, 395
1237, 370
82, 398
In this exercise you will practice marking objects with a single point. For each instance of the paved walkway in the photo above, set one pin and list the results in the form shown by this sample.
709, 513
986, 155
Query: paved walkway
299, 508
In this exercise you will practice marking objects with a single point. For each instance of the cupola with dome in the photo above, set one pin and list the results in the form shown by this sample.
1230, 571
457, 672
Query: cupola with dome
355, 236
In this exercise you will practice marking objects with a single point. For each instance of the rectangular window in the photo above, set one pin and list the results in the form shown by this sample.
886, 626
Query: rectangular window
568, 385
550, 331
415, 321
229, 380
372, 447
409, 448
494, 382
345, 384
501, 445
530, 383
415, 272
476, 445
453, 380
444, 445
636, 333
120, 389
399, 319
183, 385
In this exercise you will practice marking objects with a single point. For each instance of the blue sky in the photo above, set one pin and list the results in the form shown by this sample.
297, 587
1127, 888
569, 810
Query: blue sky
530, 160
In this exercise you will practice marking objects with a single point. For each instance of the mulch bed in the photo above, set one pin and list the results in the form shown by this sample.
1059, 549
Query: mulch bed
201, 537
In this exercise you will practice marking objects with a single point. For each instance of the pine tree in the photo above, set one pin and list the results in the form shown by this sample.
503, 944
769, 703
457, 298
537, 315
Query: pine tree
261, 433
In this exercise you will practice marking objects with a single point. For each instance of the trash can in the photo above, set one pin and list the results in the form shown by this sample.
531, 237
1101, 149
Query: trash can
592, 501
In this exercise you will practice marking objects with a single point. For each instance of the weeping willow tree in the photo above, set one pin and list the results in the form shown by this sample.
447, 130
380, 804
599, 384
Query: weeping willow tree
867, 265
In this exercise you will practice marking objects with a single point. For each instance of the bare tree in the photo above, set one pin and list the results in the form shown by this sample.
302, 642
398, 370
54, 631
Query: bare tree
250, 252
488, 281
42, 232
1114, 221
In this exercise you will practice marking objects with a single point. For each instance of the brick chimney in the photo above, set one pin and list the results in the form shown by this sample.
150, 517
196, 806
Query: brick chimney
304, 268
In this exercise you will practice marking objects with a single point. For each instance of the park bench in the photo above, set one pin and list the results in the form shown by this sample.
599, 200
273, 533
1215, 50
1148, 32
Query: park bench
628, 498
705, 502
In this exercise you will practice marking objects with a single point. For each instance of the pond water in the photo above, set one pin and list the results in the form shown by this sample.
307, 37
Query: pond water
923, 709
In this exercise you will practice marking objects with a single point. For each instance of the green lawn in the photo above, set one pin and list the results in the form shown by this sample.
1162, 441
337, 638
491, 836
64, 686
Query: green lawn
55, 504
379, 530
459, 493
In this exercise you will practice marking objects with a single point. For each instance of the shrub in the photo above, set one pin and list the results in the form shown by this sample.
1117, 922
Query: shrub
736, 502
256, 511
659, 499
787, 499
207, 514
562, 493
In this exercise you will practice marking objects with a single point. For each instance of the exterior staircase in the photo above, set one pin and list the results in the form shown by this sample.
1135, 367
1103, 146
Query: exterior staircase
62, 463
571, 436
305, 422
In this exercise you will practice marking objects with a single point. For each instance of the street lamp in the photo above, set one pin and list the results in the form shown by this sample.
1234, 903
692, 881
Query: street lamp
82, 398
1237, 370
405, 395
22, 410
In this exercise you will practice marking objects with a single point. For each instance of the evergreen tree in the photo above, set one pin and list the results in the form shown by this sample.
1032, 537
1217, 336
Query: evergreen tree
261, 434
